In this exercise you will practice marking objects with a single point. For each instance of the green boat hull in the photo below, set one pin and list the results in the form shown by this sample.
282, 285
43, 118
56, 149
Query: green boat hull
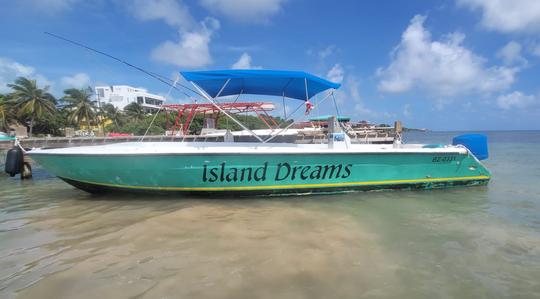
258, 174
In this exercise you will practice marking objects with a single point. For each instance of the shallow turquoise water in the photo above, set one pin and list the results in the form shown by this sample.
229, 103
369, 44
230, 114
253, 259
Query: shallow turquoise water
476, 242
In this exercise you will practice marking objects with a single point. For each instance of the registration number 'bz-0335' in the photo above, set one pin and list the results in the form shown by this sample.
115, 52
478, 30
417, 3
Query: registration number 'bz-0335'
443, 159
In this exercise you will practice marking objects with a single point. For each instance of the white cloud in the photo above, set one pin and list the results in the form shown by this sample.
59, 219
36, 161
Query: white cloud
443, 67
244, 62
10, 70
517, 99
172, 12
193, 48
440, 103
8, 66
80, 80
536, 50
336, 73
511, 54
327, 51
350, 94
507, 15
407, 110
244, 11
250, 48
49, 7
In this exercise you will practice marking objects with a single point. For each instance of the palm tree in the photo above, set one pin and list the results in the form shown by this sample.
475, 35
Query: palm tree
5, 113
135, 111
113, 114
80, 105
29, 100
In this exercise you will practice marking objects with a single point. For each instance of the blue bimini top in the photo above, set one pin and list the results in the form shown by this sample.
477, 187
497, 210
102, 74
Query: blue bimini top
290, 84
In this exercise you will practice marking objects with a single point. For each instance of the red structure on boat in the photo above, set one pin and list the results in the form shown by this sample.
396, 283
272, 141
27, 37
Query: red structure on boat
210, 111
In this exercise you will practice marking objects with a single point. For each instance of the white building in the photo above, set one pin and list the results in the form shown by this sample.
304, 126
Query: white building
122, 95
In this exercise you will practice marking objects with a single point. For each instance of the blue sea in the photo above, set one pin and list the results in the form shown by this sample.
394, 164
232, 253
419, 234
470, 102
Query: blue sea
464, 242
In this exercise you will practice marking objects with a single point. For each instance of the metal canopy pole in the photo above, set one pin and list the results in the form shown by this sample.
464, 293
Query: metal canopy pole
237, 97
324, 99
222, 88
305, 83
286, 128
209, 98
278, 133
284, 108
290, 125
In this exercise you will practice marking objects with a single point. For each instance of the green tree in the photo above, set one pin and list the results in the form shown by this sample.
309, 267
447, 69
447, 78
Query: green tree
32, 102
80, 105
135, 111
5, 113
140, 127
53, 125
114, 114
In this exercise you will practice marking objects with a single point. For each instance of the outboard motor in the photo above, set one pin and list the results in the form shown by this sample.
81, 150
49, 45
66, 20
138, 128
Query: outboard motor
476, 143
14, 161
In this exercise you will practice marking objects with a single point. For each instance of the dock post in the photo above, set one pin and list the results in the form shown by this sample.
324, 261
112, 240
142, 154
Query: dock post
398, 129
26, 171
331, 130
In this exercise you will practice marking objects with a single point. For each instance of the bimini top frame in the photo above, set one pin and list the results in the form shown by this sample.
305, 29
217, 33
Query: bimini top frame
287, 84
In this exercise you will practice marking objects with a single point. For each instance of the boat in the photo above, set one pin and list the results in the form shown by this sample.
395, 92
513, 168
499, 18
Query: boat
6, 137
264, 168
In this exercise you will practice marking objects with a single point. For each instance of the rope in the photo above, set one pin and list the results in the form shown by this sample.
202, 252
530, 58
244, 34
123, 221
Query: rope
160, 107
151, 74
189, 125
18, 143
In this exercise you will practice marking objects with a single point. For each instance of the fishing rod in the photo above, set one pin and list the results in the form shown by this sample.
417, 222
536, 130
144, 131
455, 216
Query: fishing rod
151, 74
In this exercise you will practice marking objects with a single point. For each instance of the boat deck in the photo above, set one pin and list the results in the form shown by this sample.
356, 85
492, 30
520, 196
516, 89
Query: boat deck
201, 148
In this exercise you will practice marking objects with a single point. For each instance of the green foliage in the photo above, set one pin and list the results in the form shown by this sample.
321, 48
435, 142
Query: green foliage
53, 124
135, 111
80, 105
6, 115
30, 102
139, 127
115, 115
64, 115
251, 121
225, 123
36, 107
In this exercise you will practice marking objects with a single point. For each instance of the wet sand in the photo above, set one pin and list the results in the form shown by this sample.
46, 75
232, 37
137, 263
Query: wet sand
215, 249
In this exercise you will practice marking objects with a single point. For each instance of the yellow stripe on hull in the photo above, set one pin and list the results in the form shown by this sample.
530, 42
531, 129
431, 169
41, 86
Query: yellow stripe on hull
293, 186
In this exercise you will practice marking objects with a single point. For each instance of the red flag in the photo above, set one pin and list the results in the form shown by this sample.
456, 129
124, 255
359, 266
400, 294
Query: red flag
309, 106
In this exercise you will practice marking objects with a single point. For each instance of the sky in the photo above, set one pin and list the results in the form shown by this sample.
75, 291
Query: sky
441, 65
